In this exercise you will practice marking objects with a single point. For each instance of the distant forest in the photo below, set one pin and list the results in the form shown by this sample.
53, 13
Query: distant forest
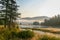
54, 21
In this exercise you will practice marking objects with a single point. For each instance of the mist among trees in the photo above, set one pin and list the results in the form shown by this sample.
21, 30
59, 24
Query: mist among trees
54, 21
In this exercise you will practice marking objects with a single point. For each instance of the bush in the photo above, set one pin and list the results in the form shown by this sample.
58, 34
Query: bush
1, 22
14, 34
6, 34
36, 23
25, 34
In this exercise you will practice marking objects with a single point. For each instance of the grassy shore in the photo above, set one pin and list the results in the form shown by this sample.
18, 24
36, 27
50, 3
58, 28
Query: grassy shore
51, 30
5, 33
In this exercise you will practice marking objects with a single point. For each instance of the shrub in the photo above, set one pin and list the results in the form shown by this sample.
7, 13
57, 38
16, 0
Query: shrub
36, 23
25, 34
6, 34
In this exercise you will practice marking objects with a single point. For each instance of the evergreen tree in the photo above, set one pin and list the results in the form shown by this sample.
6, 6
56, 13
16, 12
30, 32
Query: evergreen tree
9, 9
54, 21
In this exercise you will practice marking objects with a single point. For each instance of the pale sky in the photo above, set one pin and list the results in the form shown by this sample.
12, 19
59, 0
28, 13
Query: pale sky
32, 8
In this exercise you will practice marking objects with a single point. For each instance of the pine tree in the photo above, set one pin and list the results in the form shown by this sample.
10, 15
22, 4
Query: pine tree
9, 10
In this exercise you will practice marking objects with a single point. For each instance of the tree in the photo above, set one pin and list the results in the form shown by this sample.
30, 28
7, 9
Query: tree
9, 9
35, 23
54, 21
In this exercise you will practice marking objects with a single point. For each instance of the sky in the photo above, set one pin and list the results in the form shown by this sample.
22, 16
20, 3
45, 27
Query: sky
32, 8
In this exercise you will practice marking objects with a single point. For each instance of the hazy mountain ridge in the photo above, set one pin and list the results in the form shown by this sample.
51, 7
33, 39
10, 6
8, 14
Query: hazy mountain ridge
36, 18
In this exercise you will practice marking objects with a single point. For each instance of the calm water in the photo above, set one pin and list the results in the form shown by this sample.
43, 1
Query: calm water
32, 26
40, 32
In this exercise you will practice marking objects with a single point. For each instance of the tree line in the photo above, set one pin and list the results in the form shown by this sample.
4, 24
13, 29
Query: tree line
54, 21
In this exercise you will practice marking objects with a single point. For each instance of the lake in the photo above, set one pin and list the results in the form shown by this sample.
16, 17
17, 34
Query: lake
32, 26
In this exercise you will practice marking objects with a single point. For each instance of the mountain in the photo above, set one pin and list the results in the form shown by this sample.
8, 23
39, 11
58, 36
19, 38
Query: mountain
36, 18
30, 20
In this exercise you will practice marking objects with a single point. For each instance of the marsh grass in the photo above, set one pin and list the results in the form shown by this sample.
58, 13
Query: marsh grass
17, 34
45, 37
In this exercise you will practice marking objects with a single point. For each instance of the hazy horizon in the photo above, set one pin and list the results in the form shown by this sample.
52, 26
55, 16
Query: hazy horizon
33, 8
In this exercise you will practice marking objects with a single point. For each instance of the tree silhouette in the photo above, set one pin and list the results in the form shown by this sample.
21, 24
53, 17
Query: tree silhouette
9, 10
35, 23
54, 21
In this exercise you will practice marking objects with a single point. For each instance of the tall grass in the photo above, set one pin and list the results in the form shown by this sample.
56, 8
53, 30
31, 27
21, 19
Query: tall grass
45, 37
